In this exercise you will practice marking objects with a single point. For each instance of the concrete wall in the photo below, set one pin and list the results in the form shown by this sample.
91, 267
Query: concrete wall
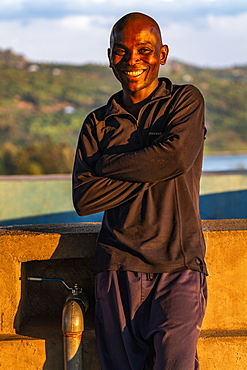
47, 199
30, 312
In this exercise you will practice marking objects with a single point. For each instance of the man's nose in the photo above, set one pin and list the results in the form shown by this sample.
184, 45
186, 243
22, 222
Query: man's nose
132, 57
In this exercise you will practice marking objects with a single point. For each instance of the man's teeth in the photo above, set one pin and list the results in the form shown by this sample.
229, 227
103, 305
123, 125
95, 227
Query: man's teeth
133, 73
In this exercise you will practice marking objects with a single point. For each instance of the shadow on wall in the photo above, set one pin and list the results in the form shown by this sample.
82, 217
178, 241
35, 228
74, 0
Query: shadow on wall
53, 218
228, 205
39, 313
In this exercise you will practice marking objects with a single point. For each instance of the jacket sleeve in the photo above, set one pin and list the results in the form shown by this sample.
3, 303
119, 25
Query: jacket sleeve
91, 193
169, 156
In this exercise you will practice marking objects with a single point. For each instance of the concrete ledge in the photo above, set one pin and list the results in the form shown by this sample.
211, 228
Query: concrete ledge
30, 312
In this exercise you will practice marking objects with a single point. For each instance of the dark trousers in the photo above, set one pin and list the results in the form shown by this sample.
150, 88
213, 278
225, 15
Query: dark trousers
149, 324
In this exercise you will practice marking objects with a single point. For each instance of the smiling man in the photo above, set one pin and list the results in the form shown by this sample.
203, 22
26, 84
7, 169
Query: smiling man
139, 159
135, 55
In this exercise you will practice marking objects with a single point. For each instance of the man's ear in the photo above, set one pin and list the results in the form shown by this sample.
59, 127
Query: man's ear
109, 56
163, 54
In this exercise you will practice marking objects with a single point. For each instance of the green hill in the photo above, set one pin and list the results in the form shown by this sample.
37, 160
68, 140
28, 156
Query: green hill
42, 107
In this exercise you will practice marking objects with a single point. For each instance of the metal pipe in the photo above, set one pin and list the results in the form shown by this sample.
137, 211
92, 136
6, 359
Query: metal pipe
73, 327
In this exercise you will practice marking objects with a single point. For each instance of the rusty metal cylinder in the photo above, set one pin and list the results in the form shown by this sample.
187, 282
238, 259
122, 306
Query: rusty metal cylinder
73, 328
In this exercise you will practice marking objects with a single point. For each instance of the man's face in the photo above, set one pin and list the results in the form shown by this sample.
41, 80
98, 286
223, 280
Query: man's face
135, 56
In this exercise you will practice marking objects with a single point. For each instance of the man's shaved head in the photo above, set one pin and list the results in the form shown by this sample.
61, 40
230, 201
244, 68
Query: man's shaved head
135, 55
136, 18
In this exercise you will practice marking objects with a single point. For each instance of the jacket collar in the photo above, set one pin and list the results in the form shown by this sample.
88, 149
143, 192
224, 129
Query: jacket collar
114, 107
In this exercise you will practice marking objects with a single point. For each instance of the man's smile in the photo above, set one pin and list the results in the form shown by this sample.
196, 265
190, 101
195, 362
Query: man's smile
134, 73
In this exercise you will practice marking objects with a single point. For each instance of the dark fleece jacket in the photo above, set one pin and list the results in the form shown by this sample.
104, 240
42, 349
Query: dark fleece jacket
145, 174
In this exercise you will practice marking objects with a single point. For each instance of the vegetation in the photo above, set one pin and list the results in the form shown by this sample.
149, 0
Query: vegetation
42, 107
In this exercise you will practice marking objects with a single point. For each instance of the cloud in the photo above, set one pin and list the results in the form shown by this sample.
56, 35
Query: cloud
184, 11
74, 40
202, 32
223, 43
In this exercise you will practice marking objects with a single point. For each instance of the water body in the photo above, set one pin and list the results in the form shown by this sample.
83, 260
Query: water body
225, 163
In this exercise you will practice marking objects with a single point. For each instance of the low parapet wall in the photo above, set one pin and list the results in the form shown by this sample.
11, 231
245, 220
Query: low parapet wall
30, 312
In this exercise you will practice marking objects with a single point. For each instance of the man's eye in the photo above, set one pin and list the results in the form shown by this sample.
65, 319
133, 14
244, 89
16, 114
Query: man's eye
145, 51
120, 52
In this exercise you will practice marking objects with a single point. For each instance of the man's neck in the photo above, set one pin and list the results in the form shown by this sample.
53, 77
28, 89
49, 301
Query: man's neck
133, 102
134, 97
134, 108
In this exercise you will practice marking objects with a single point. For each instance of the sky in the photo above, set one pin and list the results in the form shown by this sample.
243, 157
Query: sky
204, 33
